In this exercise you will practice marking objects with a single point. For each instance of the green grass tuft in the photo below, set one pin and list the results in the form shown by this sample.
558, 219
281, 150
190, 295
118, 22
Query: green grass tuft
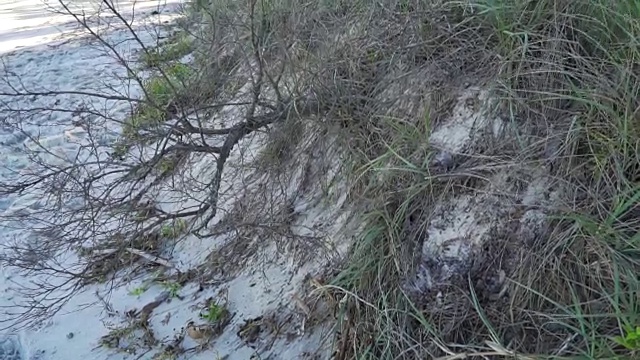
174, 230
174, 49
161, 90
214, 313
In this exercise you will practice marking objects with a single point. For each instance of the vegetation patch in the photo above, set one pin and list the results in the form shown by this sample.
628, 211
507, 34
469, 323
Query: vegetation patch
119, 338
161, 90
129, 338
557, 64
176, 47
174, 230
216, 317
139, 290
172, 287
214, 313
168, 284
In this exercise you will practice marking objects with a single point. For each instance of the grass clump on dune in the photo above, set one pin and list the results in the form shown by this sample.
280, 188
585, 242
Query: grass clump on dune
573, 64
161, 90
565, 71
177, 47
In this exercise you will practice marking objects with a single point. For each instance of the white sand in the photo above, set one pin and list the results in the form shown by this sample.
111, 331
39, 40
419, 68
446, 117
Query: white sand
50, 52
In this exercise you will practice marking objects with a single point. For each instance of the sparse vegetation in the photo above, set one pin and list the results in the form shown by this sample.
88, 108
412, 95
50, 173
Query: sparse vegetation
631, 338
563, 76
173, 49
165, 356
161, 90
282, 142
173, 230
138, 291
214, 313
167, 165
172, 287
571, 289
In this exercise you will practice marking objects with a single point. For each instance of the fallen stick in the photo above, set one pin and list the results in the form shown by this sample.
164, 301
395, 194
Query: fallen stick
142, 254
152, 258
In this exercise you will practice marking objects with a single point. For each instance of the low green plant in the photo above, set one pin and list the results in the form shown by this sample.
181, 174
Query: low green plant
172, 287
214, 313
178, 71
174, 49
160, 91
165, 355
120, 149
183, 46
167, 165
146, 117
173, 230
139, 290
630, 338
